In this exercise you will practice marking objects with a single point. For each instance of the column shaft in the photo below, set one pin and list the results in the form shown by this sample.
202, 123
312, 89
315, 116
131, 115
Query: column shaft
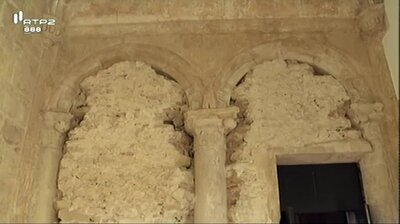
210, 178
209, 127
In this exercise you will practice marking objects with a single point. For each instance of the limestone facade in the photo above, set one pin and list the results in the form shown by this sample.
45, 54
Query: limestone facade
224, 57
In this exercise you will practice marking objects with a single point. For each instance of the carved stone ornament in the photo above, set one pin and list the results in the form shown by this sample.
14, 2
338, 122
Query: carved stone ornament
372, 21
195, 120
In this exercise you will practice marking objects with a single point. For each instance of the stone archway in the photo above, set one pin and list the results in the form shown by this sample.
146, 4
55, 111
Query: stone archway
327, 59
128, 159
364, 113
58, 119
159, 58
293, 113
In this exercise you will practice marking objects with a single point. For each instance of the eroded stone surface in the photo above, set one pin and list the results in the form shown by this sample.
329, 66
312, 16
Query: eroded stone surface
284, 104
122, 163
209, 36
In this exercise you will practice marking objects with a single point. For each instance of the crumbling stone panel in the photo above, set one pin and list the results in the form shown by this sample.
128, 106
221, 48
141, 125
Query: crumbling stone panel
283, 104
128, 160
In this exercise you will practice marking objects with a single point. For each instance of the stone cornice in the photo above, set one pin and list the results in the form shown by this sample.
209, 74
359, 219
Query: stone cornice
269, 25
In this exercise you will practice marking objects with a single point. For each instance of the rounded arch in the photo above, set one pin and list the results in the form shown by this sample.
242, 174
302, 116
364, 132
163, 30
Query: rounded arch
324, 58
62, 92
161, 59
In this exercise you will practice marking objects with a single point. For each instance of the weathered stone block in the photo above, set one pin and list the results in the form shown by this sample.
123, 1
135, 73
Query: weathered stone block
34, 9
51, 138
7, 184
18, 4
73, 216
10, 155
7, 58
25, 74
11, 133
16, 107
6, 15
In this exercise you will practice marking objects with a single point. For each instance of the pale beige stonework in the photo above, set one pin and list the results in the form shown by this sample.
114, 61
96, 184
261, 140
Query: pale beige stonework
291, 105
206, 47
285, 106
122, 163
209, 127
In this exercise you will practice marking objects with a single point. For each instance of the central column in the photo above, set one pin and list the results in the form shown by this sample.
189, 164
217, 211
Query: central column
209, 128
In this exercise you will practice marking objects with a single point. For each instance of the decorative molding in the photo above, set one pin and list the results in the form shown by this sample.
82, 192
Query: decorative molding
265, 26
372, 21
52, 137
224, 118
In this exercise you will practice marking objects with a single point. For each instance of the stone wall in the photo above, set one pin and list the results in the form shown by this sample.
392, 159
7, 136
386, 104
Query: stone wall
22, 61
284, 104
128, 160
207, 47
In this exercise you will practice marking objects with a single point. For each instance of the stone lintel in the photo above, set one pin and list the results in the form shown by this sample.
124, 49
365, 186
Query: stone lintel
330, 152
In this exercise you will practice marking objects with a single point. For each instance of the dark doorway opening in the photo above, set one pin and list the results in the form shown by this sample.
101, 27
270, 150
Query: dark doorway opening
325, 193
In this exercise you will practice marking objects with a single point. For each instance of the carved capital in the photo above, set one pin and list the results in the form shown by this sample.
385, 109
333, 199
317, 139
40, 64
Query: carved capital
372, 21
223, 119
